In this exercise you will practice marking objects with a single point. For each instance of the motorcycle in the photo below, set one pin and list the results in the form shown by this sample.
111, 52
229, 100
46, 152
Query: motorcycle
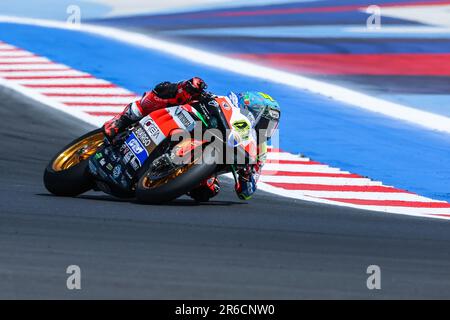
161, 157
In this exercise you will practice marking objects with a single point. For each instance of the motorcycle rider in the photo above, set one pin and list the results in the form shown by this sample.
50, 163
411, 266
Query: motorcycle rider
264, 112
168, 94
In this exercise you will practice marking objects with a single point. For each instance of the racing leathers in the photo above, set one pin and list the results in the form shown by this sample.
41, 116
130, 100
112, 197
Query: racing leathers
165, 94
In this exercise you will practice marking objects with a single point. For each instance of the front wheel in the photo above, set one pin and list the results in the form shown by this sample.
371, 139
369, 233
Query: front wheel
66, 174
178, 182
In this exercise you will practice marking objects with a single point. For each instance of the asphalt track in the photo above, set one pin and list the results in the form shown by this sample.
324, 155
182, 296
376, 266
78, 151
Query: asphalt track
269, 248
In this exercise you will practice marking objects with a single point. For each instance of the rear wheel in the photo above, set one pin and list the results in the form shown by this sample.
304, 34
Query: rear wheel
155, 189
66, 174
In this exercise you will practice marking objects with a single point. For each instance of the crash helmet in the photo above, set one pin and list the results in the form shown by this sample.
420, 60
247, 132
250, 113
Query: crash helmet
263, 108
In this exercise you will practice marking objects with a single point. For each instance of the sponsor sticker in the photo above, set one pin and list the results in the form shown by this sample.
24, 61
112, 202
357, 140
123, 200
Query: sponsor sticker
137, 148
226, 106
153, 130
128, 157
135, 164
213, 103
182, 118
143, 136
241, 125
117, 171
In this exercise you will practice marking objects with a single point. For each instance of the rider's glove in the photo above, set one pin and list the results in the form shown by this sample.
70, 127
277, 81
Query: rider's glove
246, 185
194, 86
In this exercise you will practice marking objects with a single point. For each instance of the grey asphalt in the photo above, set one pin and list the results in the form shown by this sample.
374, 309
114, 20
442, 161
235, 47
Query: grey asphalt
267, 248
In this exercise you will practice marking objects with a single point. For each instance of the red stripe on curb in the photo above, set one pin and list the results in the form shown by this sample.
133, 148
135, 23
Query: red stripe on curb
327, 187
47, 77
9, 49
106, 85
101, 113
26, 62
35, 70
310, 174
275, 150
346, 8
393, 203
92, 95
292, 162
22, 56
93, 104
411, 64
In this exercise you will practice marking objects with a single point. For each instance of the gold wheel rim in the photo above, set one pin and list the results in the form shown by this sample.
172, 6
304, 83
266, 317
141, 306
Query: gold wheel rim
148, 183
78, 152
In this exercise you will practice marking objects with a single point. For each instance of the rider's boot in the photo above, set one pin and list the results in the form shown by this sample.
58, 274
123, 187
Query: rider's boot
207, 189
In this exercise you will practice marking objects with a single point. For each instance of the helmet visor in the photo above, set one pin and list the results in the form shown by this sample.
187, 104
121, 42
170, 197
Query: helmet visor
269, 122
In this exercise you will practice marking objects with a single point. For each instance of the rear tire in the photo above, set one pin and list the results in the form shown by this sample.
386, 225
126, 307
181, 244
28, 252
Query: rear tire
73, 181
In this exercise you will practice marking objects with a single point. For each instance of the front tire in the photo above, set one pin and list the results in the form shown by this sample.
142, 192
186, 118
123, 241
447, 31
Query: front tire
67, 174
177, 186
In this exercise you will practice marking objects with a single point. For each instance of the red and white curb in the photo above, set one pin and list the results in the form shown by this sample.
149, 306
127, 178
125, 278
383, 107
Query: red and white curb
59, 86
95, 100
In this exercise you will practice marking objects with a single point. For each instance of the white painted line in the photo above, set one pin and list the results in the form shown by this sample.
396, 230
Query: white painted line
100, 109
301, 168
14, 53
22, 59
116, 90
74, 82
5, 46
435, 15
19, 66
121, 100
285, 156
365, 195
49, 73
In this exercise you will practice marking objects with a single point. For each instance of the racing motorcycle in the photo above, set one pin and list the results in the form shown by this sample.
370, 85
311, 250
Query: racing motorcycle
161, 157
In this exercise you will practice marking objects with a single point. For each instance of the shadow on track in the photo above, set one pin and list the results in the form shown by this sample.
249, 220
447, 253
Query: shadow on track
174, 203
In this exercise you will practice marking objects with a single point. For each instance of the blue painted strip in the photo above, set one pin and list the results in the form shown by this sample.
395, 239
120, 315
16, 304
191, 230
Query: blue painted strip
352, 139
259, 46
186, 21
271, 6
435, 103
317, 32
